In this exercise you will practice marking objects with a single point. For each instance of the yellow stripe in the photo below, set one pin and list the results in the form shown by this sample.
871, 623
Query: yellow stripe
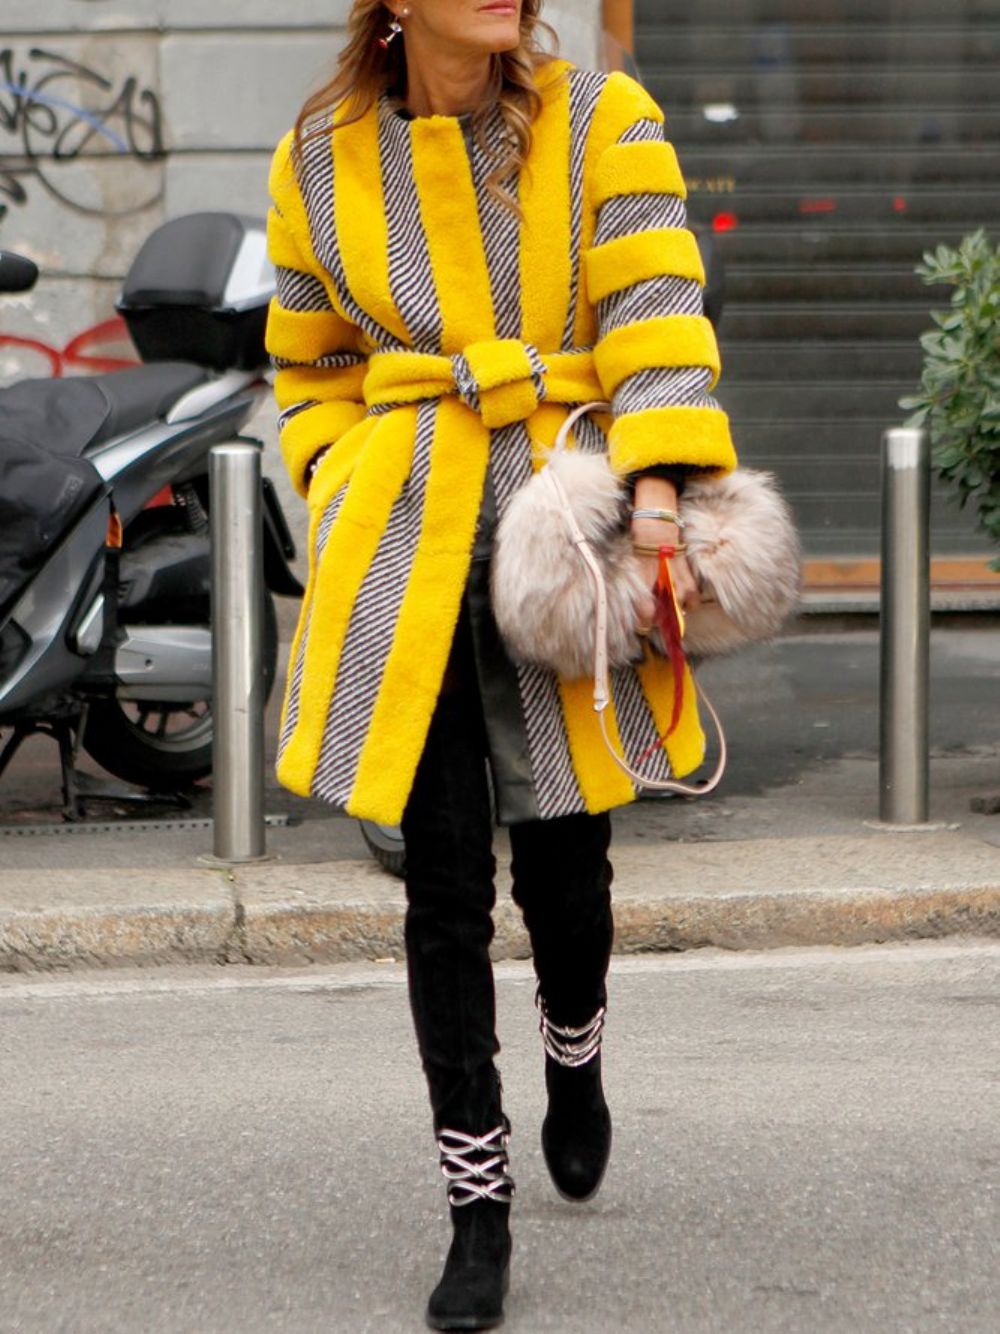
307, 335
571, 377
360, 219
308, 431
336, 468
699, 436
450, 217
663, 252
624, 101
326, 384
685, 747
648, 166
403, 377
377, 479
424, 630
655, 344
602, 783
338, 463
281, 248
545, 259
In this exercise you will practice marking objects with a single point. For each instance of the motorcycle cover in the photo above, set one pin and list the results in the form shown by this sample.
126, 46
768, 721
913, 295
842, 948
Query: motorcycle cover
45, 482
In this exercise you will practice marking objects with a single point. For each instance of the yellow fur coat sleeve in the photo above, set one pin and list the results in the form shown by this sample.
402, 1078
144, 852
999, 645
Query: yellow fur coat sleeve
315, 349
656, 354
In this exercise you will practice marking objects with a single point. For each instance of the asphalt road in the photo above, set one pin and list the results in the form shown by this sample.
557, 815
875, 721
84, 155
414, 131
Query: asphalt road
805, 1141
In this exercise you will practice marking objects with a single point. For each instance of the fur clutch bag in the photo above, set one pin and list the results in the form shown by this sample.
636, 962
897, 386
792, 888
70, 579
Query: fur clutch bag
743, 550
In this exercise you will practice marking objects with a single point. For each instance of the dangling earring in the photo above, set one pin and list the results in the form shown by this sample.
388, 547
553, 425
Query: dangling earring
394, 27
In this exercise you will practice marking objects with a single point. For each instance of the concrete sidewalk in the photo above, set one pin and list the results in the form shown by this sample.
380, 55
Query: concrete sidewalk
782, 855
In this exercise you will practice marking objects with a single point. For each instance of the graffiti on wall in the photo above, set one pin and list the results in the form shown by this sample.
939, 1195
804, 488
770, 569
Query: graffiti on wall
87, 351
55, 111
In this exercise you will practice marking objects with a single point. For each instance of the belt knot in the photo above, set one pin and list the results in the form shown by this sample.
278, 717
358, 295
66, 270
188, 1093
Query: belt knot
500, 378
503, 380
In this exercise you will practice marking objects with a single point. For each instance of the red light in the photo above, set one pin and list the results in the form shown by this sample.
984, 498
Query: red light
899, 204
817, 206
725, 222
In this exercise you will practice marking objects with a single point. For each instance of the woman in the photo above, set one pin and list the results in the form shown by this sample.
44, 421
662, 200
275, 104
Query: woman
470, 236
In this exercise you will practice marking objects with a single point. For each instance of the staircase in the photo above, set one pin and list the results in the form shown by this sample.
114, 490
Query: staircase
828, 143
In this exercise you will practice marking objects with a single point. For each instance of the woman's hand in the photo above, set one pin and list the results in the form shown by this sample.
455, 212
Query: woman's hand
655, 532
658, 493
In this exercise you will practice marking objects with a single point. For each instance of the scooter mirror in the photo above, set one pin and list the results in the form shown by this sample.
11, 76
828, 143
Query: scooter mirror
17, 274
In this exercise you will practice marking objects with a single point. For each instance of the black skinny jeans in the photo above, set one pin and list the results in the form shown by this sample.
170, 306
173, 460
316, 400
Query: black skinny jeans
561, 882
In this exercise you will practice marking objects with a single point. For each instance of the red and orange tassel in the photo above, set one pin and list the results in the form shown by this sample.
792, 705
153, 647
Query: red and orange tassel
670, 622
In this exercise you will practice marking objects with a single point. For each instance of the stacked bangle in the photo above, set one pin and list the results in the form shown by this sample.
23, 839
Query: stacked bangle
668, 516
673, 549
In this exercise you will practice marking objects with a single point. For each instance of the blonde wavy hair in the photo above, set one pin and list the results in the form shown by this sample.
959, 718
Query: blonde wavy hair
365, 70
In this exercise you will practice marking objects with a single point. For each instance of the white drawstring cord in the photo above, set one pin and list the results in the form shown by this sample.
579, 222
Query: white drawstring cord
602, 679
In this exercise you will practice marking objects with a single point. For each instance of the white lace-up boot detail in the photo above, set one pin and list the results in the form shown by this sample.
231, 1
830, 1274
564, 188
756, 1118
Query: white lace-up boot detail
476, 1166
571, 1046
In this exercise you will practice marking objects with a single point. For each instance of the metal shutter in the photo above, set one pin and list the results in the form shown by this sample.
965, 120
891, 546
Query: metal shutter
829, 143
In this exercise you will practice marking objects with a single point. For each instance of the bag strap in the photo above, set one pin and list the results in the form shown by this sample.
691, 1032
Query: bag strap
602, 686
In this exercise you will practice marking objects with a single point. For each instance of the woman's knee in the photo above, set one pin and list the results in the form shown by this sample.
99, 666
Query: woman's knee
561, 859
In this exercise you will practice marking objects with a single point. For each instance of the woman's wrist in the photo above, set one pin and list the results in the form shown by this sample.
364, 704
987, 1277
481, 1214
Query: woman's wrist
654, 493
654, 533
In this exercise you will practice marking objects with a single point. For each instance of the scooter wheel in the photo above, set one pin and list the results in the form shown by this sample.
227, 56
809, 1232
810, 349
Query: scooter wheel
160, 746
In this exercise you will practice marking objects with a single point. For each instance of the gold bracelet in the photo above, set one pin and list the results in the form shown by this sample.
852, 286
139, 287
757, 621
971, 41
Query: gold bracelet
645, 550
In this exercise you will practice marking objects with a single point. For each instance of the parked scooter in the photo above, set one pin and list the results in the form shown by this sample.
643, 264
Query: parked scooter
105, 638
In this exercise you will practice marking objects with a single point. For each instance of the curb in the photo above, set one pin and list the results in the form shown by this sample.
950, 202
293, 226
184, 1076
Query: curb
360, 916
287, 934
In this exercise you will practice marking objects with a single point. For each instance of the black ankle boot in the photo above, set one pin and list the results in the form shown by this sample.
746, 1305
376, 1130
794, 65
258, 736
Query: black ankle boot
476, 1273
576, 1132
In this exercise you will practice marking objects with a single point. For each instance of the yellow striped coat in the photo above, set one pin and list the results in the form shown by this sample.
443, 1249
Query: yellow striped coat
433, 341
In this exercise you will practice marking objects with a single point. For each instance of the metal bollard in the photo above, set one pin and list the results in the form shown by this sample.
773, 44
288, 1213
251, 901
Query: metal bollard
237, 653
905, 628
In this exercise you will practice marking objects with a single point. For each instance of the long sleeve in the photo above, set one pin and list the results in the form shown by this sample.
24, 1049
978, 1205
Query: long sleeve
316, 352
656, 354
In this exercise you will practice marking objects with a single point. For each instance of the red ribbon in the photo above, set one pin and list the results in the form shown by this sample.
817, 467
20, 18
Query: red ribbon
668, 620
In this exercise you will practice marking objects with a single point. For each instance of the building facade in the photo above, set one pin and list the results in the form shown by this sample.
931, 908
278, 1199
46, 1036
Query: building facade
827, 144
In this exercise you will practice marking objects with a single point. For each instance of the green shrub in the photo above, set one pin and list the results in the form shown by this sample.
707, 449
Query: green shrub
959, 398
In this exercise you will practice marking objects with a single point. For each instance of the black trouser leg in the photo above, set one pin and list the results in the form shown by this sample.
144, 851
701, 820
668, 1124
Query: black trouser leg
562, 884
450, 891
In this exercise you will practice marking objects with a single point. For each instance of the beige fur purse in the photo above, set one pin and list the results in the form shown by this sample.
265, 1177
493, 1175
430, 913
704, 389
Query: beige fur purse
567, 588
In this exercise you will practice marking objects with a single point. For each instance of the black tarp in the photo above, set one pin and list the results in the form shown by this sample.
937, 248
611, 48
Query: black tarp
45, 483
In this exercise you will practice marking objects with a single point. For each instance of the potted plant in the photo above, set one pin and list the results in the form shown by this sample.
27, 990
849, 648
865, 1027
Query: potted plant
959, 398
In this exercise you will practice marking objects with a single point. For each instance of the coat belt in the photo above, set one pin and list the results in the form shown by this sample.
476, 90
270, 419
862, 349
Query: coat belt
503, 379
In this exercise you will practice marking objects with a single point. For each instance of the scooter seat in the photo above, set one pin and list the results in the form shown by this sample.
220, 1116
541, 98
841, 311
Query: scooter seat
73, 416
